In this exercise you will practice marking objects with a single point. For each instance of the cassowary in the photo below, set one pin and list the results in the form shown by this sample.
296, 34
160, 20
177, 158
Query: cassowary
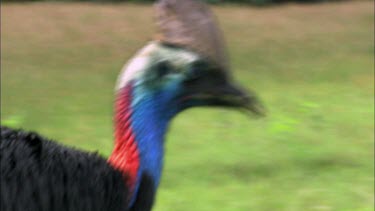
184, 66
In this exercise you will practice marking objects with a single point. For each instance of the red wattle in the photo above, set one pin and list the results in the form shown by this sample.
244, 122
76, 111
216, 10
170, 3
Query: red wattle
125, 156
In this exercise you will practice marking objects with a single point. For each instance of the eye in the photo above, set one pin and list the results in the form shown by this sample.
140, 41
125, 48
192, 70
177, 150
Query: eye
197, 69
163, 67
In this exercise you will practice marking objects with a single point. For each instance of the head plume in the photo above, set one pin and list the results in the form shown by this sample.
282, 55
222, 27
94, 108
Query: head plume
191, 24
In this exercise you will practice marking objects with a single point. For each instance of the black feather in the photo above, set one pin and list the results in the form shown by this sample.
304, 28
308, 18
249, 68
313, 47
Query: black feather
40, 175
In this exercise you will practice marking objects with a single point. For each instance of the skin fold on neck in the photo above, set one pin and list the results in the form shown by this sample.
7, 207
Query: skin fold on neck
139, 144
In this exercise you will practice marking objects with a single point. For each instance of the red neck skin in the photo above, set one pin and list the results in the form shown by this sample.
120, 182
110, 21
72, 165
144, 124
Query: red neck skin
125, 156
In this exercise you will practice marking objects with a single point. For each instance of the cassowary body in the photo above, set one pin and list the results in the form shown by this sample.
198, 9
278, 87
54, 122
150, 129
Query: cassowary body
166, 77
38, 174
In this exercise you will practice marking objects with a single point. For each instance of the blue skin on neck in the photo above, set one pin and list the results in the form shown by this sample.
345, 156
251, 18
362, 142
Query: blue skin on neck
152, 109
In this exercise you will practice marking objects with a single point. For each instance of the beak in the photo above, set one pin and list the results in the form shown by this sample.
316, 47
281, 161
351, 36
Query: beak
233, 96
221, 93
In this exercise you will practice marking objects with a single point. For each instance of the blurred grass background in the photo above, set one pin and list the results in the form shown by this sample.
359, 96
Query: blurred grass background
311, 64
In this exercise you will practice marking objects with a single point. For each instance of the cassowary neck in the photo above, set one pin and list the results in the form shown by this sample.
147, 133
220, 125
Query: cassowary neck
138, 150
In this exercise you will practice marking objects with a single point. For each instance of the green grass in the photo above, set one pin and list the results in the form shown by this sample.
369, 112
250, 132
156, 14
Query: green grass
311, 64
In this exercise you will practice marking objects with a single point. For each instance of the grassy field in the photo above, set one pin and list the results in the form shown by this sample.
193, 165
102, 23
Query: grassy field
311, 64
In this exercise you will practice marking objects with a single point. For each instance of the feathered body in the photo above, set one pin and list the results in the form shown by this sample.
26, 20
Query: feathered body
38, 174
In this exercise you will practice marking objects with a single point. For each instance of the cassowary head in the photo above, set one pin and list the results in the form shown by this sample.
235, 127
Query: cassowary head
173, 78
186, 65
